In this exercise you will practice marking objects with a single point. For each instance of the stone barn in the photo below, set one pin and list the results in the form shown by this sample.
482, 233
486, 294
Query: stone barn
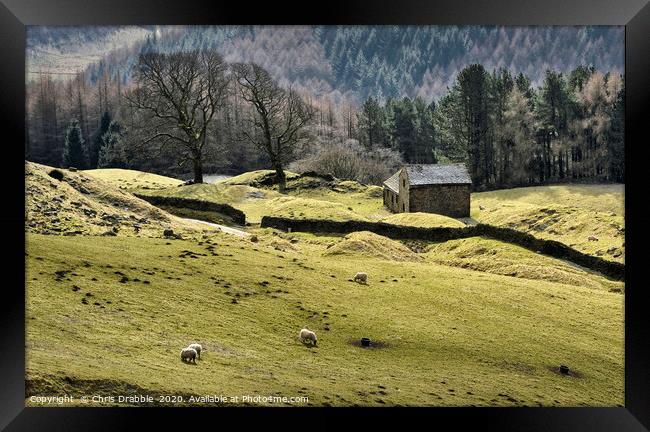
437, 188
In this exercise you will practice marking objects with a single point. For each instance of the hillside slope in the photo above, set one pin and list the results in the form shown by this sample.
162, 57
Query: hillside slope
59, 201
589, 218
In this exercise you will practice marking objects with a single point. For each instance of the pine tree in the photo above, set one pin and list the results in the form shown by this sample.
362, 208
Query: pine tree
553, 115
616, 139
95, 148
73, 149
371, 123
111, 154
473, 98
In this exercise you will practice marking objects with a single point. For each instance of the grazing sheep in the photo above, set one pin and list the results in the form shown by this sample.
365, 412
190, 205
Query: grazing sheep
308, 335
196, 347
361, 277
592, 238
188, 354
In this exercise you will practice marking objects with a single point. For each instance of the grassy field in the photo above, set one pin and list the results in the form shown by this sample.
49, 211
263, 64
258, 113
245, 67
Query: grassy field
452, 336
465, 322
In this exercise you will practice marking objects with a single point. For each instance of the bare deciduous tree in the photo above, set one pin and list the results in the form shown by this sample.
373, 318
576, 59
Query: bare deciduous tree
180, 92
279, 118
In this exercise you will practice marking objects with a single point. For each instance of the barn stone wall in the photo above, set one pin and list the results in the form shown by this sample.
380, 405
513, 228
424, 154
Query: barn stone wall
237, 216
448, 200
391, 200
403, 203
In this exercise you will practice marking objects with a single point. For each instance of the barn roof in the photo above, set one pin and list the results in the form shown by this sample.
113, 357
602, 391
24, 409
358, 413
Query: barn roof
432, 174
392, 182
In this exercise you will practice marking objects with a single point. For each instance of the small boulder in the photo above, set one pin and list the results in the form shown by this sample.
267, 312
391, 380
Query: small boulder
56, 174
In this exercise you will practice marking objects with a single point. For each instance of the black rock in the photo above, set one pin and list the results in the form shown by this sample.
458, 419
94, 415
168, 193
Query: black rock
56, 174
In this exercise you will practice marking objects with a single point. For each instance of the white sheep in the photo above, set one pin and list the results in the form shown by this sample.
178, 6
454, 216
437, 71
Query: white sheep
308, 335
196, 347
361, 277
188, 354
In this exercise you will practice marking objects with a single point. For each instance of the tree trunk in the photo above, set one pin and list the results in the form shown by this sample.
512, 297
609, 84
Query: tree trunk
281, 179
198, 170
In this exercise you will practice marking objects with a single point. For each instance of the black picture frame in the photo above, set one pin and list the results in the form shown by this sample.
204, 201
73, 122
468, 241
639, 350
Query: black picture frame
633, 14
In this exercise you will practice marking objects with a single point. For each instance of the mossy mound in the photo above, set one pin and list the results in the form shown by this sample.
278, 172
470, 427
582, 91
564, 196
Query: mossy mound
133, 180
306, 208
74, 203
375, 191
492, 256
368, 244
347, 186
424, 220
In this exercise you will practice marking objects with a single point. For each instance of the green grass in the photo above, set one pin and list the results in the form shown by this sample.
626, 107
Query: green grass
453, 336
567, 213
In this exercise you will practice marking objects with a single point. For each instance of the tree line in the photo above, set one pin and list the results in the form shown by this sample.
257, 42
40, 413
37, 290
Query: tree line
508, 132
193, 112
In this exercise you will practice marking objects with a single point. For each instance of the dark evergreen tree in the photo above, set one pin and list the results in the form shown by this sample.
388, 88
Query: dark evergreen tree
579, 76
405, 129
500, 85
425, 140
553, 115
371, 123
111, 154
74, 154
524, 85
616, 140
473, 99
95, 148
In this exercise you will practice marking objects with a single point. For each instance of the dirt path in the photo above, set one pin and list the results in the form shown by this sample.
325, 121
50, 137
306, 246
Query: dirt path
223, 228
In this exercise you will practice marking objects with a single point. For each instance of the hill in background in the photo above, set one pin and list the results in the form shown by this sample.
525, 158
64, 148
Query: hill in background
360, 61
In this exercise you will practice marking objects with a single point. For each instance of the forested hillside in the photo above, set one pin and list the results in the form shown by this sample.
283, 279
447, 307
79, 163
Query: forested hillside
519, 105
